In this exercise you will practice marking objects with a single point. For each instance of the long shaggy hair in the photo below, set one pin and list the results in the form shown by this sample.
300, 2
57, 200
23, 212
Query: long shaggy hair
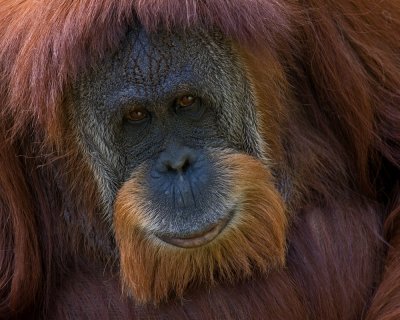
327, 79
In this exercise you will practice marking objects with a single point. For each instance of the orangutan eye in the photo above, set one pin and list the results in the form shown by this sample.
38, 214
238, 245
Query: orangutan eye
190, 106
137, 115
185, 101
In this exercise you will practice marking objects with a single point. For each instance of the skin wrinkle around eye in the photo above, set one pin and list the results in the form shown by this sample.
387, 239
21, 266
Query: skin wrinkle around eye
126, 99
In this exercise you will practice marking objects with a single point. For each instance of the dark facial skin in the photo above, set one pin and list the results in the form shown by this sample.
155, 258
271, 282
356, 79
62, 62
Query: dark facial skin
160, 107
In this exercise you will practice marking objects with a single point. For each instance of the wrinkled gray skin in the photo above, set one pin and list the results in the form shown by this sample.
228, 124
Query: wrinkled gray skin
152, 71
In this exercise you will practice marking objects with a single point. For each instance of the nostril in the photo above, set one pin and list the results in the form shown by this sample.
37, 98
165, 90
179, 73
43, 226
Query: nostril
177, 160
186, 165
169, 167
181, 165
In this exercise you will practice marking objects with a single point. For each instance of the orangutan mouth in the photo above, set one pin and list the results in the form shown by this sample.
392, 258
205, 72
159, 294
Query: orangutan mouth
199, 238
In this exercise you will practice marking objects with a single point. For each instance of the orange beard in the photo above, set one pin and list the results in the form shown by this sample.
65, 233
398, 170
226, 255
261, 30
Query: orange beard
254, 240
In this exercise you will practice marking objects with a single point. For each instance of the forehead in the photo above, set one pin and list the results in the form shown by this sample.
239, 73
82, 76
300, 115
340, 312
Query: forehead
152, 58
161, 64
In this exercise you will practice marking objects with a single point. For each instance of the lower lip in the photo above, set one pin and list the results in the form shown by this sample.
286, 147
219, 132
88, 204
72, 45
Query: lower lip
198, 240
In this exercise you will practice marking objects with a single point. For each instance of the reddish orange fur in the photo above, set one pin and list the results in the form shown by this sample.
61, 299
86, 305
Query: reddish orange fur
326, 75
254, 240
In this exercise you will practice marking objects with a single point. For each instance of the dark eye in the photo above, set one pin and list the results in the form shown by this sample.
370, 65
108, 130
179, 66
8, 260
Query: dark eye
189, 106
137, 115
185, 101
